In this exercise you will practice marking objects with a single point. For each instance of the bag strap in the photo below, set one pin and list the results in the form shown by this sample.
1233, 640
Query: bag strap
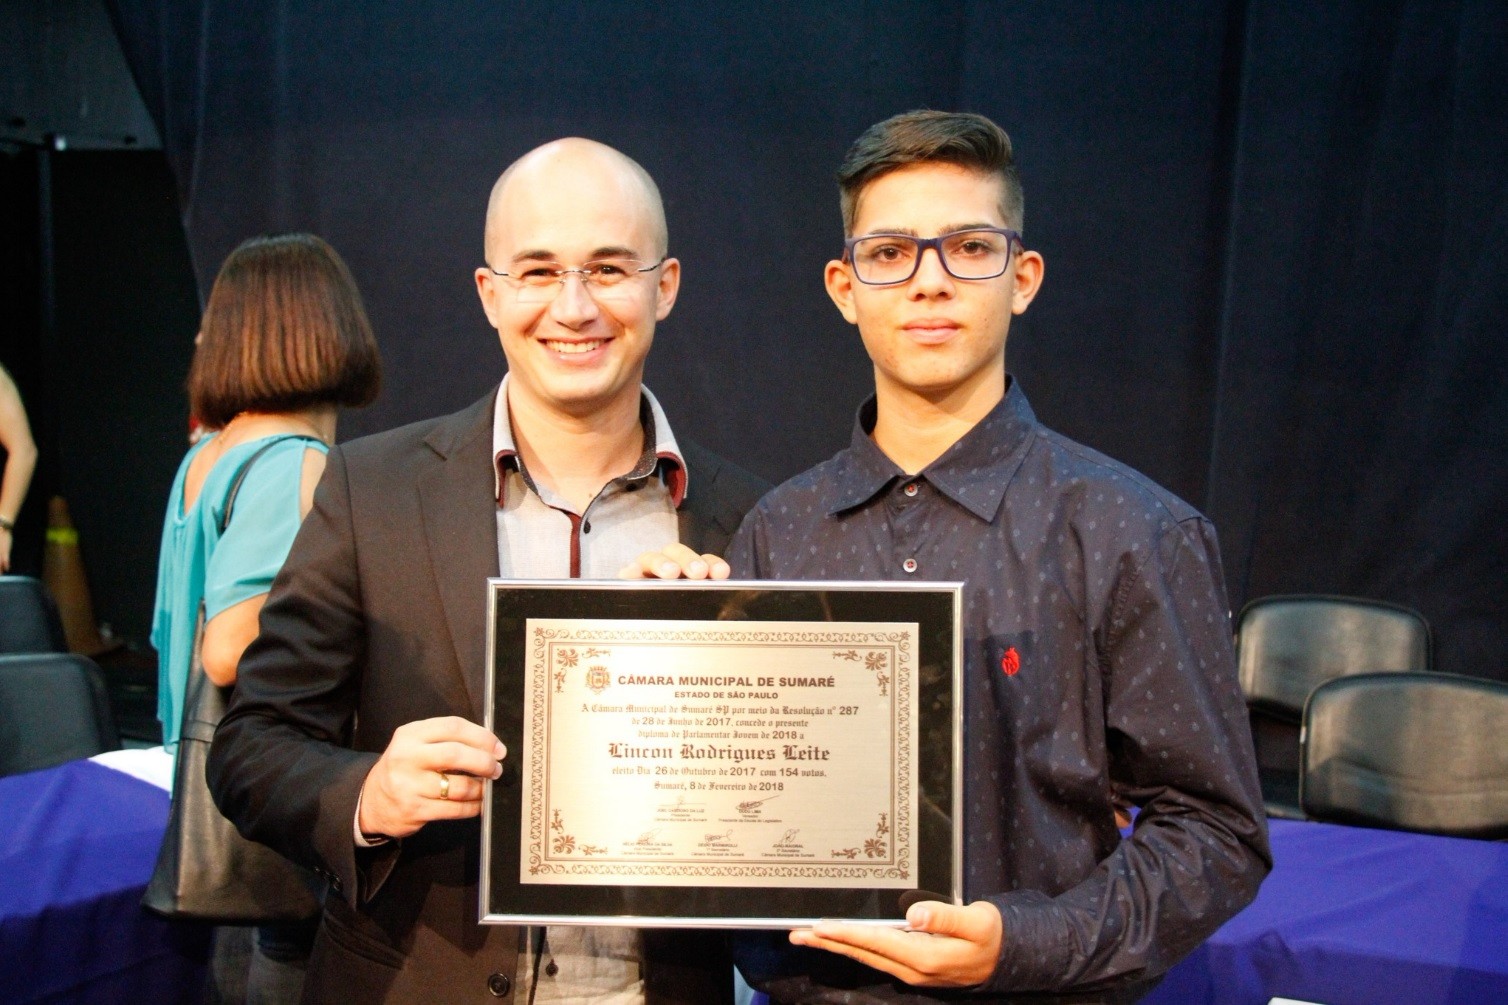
235, 483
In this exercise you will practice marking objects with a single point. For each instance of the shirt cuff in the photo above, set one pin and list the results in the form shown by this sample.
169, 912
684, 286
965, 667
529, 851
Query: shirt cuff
364, 840
1035, 945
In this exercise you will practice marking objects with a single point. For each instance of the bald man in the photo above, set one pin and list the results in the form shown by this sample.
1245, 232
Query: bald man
353, 743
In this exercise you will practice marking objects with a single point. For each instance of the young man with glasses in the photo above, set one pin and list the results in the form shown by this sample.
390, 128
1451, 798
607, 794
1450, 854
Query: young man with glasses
352, 744
1097, 652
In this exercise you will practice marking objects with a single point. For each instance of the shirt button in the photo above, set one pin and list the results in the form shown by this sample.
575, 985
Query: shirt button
909, 565
552, 968
586, 526
911, 489
498, 985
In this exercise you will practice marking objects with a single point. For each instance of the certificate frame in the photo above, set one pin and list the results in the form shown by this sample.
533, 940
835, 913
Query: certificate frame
672, 900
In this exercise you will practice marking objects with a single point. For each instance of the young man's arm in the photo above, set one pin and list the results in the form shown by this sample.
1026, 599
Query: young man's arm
1179, 748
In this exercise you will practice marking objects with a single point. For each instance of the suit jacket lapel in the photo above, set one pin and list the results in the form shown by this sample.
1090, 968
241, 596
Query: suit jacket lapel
711, 511
460, 525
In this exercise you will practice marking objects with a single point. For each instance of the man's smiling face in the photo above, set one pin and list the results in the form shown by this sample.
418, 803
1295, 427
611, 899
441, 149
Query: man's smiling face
575, 353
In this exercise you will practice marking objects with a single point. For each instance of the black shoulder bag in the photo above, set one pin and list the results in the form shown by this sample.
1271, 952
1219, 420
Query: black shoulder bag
206, 871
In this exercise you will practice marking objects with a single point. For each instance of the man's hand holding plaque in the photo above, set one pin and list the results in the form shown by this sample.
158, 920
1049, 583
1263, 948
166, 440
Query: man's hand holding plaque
432, 769
675, 561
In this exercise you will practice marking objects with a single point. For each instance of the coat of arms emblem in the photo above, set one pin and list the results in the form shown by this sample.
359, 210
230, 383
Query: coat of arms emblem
597, 678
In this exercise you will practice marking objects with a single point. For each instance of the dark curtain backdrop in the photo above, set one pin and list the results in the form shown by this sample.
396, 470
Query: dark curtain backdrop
1276, 233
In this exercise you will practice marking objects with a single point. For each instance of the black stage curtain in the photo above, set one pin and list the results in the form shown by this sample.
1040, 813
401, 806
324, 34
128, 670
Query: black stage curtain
1276, 233
101, 365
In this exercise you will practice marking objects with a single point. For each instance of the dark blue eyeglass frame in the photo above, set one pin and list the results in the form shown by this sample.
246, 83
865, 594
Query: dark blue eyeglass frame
936, 244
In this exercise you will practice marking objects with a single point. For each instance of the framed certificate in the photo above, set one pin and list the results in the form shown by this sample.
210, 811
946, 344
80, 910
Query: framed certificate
721, 754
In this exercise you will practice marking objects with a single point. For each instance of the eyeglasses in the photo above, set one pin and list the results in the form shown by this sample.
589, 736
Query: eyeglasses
886, 259
604, 279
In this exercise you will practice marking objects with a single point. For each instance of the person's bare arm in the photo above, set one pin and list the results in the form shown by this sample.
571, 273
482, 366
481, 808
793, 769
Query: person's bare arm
226, 636
20, 462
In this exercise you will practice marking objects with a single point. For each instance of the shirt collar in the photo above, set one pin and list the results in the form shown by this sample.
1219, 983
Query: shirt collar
661, 453
974, 472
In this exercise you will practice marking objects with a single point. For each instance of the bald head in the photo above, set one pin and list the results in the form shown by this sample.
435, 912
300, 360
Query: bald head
581, 166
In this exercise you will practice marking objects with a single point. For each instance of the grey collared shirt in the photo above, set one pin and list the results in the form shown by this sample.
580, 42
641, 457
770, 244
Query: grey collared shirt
539, 536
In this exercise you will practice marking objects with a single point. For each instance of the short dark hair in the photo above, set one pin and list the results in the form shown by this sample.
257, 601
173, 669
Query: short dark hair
284, 331
925, 136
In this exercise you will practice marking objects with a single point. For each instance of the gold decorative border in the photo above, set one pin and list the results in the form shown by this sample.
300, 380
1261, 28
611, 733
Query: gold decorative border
543, 862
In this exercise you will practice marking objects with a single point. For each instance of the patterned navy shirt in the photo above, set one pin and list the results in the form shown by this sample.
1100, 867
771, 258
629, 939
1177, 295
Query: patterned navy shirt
1098, 666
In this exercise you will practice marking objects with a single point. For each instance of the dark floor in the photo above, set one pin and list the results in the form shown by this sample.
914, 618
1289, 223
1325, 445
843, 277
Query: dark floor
131, 680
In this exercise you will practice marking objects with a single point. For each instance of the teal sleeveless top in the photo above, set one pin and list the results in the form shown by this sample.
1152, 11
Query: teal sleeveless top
196, 563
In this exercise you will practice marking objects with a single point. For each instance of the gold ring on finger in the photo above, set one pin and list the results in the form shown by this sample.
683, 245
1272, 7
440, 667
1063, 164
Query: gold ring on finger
444, 785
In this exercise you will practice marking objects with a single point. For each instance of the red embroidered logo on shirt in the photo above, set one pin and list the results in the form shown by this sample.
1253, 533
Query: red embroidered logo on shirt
1011, 661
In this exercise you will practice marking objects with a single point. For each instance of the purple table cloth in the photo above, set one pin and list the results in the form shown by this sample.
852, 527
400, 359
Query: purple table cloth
1352, 916
77, 846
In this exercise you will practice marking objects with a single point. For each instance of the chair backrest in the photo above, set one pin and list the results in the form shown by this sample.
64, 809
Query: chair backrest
1286, 646
53, 709
1414, 751
29, 621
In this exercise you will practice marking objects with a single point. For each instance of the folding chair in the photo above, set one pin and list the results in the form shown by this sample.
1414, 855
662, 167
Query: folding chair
53, 709
29, 621
1413, 751
1287, 645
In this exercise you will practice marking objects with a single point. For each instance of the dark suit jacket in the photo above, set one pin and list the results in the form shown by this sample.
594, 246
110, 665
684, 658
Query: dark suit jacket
377, 619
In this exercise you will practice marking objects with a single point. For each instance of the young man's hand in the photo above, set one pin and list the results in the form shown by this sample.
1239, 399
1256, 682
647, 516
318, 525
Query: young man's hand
944, 947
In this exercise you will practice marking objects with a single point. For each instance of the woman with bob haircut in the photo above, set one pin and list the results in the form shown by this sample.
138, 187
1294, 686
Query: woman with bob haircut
284, 343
